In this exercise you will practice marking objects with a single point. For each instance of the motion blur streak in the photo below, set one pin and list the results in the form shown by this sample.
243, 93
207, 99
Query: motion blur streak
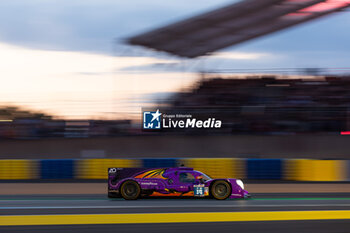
171, 217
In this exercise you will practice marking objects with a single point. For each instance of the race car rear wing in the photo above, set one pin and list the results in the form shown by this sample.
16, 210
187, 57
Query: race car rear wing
115, 173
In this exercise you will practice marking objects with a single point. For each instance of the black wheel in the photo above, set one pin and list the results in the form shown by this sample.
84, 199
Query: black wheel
220, 190
130, 190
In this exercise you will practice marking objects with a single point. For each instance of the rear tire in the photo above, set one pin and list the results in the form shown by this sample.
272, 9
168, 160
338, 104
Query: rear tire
220, 190
130, 190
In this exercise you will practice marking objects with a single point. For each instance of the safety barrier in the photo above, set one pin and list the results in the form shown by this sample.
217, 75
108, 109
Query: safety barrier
57, 169
97, 168
316, 170
264, 169
347, 170
149, 163
18, 169
252, 169
216, 167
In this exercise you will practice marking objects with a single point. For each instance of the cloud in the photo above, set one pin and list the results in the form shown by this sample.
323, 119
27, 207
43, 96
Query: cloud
96, 25
63, 59
238, 55
88, 25
77, 84
219, 60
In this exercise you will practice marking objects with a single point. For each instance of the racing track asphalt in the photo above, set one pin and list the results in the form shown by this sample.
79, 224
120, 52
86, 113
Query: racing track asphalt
84, 205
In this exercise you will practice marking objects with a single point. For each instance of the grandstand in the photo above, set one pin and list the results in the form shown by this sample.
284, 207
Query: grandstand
234, 24
268, 104
271, 104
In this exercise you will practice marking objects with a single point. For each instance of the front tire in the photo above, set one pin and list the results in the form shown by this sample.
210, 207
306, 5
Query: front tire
220, 190
130, 190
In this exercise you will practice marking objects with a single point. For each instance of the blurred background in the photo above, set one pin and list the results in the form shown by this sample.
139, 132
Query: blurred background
75, 77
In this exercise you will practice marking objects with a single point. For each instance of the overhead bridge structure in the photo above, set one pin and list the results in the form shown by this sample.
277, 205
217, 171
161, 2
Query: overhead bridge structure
234, 24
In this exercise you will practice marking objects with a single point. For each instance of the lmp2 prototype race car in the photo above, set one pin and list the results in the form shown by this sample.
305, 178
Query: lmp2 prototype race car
133, 183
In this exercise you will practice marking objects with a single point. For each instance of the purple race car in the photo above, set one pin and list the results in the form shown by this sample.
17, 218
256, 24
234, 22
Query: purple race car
132, 183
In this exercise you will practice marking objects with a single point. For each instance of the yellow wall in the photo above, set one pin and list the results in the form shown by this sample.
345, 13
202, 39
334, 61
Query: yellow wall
97, 168
218, 167
315, 170
11, 169
294, 169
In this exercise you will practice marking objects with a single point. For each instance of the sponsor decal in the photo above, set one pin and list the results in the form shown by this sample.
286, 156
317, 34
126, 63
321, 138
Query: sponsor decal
148, 183
112, 170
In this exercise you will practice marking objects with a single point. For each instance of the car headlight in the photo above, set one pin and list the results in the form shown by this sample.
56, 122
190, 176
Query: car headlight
240, 183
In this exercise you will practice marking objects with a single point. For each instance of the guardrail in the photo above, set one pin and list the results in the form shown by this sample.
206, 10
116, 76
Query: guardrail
252, 169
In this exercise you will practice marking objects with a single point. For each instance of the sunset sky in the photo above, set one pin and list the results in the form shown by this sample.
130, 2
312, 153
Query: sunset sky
66, 57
